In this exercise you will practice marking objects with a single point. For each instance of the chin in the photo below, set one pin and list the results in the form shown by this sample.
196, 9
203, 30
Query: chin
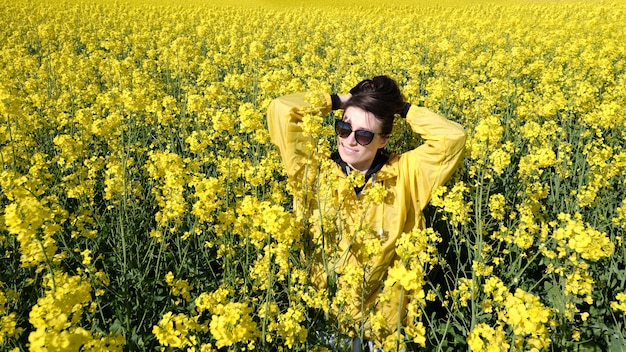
348, 157
351, 160
356, 156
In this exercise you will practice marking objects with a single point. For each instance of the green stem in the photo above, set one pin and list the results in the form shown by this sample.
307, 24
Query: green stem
48, 262
12, 145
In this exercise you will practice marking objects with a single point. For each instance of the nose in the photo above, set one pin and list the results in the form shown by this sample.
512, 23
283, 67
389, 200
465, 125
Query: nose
351, 139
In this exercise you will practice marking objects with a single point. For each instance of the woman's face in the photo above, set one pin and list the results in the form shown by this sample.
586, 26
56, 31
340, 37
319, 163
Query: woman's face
360, 157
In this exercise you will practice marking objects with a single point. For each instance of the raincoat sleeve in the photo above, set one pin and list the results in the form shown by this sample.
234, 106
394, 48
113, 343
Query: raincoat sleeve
284, 117
431, 164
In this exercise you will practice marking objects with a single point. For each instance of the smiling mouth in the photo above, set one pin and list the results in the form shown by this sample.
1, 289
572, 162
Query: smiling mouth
347, 149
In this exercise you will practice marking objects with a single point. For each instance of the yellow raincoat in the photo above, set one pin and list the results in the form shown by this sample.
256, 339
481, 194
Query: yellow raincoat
344, 223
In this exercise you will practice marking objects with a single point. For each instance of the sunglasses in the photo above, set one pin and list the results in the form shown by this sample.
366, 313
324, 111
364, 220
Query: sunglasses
363, 137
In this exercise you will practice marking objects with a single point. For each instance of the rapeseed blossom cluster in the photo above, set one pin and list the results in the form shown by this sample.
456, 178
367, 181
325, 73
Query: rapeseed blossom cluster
587, 242
529, 319
523, 321
232, 323
577, 245
57, 314
417, 251
620, 304
32, 220
289, 326
620, 218
143, 206
453, 202
8, 323
179, 287
484, 338
176, 330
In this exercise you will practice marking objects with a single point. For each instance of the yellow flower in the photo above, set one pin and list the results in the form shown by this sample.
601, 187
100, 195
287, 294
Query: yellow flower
232, 323
487, 134
409, 279
210, 301
112, 342
56, 314
620, 304
528, 317
33, 221
179, 287
580, 237
620, 219
495, 288
501, 158
453, 202
464, 291
484, 338
356, 179
417, 332
167, 169
497, 206
8, 326
289, 326
376, 194
481, 269
177, 330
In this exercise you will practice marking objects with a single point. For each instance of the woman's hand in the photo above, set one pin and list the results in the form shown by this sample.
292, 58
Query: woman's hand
344, 99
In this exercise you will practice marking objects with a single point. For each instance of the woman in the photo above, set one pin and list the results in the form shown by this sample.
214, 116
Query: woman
346, 223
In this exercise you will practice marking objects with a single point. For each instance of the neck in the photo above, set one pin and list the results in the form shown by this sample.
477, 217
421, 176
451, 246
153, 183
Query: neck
361, 170
381, 159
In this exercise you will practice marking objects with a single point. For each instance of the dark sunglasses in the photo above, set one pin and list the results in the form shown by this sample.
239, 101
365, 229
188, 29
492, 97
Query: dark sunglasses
363, 137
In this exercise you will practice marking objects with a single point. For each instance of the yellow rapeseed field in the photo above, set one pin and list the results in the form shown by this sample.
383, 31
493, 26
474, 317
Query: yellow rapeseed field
142, 205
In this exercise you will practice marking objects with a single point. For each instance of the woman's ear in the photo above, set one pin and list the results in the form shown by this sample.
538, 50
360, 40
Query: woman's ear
383, 142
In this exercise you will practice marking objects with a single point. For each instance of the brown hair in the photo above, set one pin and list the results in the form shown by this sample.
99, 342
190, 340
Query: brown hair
379, 96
